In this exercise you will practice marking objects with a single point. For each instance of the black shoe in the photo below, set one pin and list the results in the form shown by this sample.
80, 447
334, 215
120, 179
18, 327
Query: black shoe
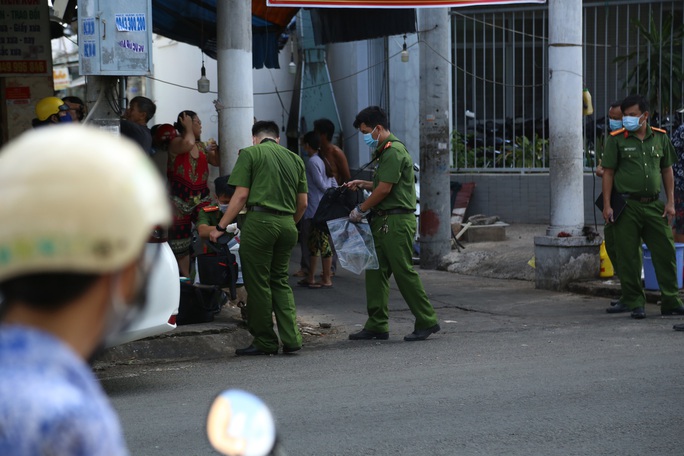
287, 349
365, 334
617, 307
253, 351
679, 327
638, 313
676, 311
421, 334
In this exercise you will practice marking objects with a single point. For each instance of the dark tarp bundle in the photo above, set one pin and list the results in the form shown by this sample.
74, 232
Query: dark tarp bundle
336, 25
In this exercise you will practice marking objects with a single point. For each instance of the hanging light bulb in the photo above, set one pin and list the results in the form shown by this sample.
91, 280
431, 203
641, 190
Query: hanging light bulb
292, 66
404, 52
203, 83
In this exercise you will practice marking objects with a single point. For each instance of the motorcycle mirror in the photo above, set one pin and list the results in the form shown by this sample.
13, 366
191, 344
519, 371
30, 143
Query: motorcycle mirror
241, 424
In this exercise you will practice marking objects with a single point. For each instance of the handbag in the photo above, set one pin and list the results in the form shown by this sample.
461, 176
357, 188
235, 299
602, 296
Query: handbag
338, 202
199, 303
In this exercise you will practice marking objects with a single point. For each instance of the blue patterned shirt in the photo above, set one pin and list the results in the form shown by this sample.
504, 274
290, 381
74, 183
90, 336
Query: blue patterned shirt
678, 166
50, 401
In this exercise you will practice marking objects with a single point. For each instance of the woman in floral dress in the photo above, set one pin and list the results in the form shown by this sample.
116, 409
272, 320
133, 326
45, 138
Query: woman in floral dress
188, 172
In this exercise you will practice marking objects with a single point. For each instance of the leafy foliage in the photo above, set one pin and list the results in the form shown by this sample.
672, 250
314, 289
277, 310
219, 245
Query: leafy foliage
656, 65
523, 153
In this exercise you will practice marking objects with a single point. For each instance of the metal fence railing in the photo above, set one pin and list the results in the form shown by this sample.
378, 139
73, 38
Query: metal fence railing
500, 77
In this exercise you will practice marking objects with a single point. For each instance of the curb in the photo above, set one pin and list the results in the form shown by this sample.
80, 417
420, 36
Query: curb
217, 339
610, 289
185, 343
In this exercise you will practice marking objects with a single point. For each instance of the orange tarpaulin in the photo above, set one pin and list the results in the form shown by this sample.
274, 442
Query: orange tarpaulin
278, 16
392, 3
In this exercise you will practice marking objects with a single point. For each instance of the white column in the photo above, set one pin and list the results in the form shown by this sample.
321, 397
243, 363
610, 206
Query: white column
235, 85
565, 117
435, 74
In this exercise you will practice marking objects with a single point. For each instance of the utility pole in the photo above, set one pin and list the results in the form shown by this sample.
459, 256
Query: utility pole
565, 117
570, 257
435, 76
235, 85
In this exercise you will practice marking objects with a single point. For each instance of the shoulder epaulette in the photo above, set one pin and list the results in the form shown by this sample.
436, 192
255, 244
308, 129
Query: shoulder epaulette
617, 132
388, 145
210, 208
659, 130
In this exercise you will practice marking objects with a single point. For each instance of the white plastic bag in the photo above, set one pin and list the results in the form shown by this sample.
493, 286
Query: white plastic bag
354, 245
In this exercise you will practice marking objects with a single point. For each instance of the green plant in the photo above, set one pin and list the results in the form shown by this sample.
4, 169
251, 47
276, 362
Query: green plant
524, 153
657, 71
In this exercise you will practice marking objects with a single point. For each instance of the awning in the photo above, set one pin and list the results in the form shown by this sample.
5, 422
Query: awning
194, 22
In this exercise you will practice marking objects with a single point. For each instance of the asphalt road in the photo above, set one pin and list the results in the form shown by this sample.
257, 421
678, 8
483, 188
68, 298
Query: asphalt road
515, 371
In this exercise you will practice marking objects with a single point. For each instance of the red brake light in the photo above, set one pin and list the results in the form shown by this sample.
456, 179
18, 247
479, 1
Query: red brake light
172, 320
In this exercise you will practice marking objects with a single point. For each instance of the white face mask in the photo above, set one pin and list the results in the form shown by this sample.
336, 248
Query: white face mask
223, 207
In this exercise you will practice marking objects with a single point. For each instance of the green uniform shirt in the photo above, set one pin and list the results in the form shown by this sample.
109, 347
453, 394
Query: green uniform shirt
273, 174
210, 218
395, 166
638, 163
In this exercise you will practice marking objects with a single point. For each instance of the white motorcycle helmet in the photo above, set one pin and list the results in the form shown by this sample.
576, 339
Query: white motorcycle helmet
76, 199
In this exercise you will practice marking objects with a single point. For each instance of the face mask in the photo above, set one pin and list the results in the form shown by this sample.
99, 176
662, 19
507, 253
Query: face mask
66, 118
223, 207
368, 139
614, 124
631, 123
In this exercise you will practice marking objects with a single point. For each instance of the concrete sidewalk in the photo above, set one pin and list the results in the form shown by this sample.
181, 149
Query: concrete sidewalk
488, 279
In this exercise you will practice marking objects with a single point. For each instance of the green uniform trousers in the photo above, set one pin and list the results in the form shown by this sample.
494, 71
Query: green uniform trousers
645, 221
394, 249
266, 244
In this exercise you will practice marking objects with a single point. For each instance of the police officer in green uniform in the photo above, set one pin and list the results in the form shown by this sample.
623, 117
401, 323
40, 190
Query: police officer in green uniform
392, 204
209, 216
637, 158
271, 181
614, 124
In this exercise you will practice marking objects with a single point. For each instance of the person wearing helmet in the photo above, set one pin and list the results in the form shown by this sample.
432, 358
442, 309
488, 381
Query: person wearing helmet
77, 108
51, 110
162, 134
71, 277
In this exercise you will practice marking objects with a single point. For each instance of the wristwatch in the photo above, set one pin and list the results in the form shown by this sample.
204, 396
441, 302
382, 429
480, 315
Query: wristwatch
358, 208
220, 228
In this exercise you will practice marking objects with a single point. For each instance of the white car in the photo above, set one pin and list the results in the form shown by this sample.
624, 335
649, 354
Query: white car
163, 294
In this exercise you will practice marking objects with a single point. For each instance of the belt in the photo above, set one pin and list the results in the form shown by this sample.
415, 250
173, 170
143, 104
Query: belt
641, 199
268, 210
382, 213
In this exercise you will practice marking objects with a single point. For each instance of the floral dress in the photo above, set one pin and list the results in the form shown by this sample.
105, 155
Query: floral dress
189, 194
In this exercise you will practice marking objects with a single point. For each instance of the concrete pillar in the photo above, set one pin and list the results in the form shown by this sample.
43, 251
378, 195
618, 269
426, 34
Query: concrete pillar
235, 85
561, 260
565, 117
435, 75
